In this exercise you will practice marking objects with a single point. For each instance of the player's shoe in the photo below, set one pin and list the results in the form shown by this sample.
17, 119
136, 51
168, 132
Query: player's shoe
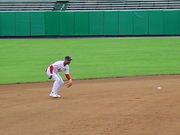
59, 96
53, 95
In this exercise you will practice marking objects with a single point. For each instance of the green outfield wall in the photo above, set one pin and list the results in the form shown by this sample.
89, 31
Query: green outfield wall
97, 23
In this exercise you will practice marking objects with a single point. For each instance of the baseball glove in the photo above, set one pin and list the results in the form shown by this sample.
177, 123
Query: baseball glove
69, 83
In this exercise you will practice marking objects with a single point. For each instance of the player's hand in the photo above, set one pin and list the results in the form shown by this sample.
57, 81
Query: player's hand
50, 77
69, 83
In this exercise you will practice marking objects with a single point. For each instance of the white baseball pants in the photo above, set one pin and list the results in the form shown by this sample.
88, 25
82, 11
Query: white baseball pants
58, 81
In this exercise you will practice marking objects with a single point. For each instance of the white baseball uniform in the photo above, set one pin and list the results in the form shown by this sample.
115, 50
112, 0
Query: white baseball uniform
53, 70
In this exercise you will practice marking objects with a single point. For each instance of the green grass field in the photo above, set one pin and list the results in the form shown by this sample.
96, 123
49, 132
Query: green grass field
26, 60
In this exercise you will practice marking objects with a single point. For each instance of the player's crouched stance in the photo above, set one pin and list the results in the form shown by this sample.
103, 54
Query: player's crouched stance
53, 73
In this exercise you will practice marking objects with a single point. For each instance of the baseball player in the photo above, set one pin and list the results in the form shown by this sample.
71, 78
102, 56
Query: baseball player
53, 73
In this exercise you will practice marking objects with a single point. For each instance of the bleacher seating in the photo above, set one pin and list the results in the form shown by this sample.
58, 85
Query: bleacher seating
87, 5
27, 5
84, 5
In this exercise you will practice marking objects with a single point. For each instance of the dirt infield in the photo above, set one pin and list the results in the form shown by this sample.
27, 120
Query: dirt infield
123, 106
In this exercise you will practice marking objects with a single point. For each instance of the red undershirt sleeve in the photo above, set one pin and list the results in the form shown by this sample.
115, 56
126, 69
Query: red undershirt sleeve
68, 76
51, 69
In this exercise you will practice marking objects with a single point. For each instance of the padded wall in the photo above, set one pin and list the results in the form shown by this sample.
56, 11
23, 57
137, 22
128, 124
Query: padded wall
96, 23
